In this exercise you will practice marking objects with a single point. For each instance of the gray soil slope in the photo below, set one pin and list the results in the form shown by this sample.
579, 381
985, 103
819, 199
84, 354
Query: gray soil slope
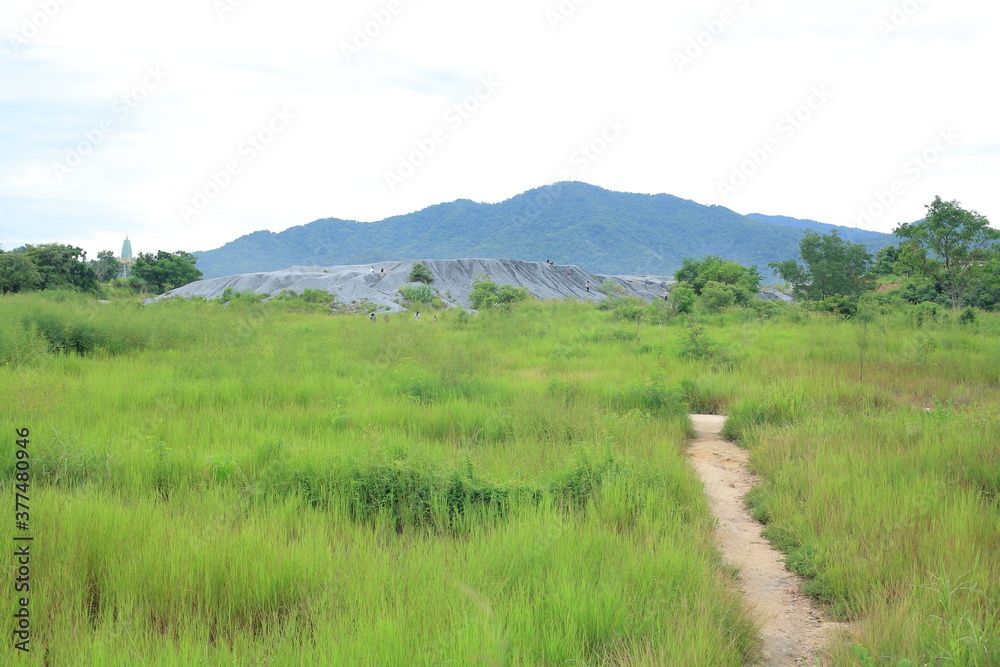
453, 280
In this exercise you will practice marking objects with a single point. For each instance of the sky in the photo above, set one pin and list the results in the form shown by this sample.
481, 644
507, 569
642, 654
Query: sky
187, 124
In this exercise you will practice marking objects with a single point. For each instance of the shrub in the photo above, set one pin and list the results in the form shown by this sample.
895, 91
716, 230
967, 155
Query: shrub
486, 294
681, 300
627, 308
244, 297
610, 288
716, 296
421, 293
700, 346
968, 316
838, 305
310, 300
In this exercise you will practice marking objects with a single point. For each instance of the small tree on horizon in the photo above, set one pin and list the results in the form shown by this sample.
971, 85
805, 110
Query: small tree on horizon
421, 274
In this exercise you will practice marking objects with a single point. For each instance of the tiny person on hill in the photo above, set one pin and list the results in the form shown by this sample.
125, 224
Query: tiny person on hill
588, 286
417, 316
372, 317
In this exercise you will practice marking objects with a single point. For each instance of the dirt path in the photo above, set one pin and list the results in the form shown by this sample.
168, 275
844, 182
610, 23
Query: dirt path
793, 630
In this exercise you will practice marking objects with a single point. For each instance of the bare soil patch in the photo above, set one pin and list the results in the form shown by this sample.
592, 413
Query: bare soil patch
794, 631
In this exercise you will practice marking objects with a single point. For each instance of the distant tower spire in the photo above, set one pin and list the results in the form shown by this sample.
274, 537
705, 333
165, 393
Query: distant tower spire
126, 259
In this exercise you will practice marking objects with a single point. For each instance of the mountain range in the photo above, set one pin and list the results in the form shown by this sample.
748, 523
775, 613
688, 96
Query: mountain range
567, 222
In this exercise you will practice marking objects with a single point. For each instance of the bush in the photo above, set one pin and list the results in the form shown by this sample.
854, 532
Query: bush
627, 308
310, 300
968, 316
486, 294
681, 300
926, 312
421, 293
700, 346
838, 305
610, 288
244, 297
421, 274
716, 296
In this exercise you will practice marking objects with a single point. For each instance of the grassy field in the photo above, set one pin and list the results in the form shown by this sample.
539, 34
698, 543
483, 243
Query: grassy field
260, 485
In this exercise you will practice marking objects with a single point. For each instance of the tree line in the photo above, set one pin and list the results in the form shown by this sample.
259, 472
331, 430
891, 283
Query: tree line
951, 257
60, 266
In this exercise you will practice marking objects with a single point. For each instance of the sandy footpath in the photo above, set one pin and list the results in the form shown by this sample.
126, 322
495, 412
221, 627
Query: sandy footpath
794, 632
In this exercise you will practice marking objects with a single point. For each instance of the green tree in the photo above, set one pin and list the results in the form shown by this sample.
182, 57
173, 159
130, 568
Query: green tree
985, 293
885, 261
166, 270
951, 246
833, 267
699, 272
106, 266
487, 294
62, 266
421, 274
18, 273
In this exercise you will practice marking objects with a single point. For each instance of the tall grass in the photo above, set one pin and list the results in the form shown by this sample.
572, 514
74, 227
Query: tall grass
266, 484
272, 486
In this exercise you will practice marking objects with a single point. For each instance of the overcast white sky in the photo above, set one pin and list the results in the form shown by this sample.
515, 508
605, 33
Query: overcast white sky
186, 124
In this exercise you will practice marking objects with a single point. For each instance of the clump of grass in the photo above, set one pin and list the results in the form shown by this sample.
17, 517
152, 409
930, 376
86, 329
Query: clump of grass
776, 409
651, 396
701, 397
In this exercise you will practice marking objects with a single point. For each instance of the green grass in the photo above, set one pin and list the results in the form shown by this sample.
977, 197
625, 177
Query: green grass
263, 484
295, 488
